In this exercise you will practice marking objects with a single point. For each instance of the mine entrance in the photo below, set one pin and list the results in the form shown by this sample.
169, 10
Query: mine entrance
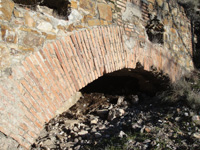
122, 110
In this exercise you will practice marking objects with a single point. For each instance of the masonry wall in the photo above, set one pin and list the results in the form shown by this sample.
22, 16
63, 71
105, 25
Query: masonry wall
44, 60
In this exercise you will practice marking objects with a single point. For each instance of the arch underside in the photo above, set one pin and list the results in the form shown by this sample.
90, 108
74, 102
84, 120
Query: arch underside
47, 78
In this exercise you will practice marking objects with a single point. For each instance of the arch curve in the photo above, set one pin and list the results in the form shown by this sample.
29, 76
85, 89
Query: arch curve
49, 77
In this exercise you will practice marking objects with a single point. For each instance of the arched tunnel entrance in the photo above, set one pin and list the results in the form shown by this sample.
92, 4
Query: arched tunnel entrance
129, 81
118, 110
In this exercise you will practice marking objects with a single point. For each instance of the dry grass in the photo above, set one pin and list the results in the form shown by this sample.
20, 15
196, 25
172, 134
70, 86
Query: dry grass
186, 89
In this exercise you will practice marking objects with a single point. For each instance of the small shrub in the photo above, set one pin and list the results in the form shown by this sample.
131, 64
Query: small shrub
187, 89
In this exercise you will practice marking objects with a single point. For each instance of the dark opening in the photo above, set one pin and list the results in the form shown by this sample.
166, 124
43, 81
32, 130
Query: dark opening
62, 8
127, 82
155, 30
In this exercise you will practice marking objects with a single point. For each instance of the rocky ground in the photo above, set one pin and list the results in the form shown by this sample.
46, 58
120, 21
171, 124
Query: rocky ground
129, 122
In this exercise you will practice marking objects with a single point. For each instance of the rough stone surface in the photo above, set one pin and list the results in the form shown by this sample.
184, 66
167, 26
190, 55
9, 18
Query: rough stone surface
8, 34
45, 26
6, 9
31, 40
131, 10
7, 143
105, 12
145, 125
95, 22
29, 21
35, 63
88, 5
44, 9
75, 16
71, 101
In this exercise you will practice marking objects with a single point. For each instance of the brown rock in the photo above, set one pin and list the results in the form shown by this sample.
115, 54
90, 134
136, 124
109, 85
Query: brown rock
44, 9
61, 27
147, 130
31, 40
49, 36
150, 7
74, 4
18, 14
79, 26
88, 5
6, 9
4, 56
105, 12
165, 21
85, 18
8, 34
173, 30
159, 2
94, 22
70, 28
152, 1
29, 30
26, 48
29, 21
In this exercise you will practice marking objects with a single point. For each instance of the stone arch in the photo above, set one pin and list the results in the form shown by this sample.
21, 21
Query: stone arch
50, 76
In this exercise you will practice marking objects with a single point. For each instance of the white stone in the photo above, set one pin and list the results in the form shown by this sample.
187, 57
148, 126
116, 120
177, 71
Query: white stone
131, 10
120, 100
196, 119
69, 103
196, 135
44, 9
129, 42
97, 135
122, 134
75, 16
45, 26
120, 112
83, 132
94, 121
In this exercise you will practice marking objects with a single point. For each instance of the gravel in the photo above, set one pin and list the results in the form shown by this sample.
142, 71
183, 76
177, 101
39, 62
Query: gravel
123, 122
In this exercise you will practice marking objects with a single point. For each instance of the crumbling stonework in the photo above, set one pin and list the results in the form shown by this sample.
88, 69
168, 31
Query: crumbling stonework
44, 60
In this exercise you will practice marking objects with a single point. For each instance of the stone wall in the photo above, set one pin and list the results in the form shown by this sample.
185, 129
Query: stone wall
44, 60
24, 30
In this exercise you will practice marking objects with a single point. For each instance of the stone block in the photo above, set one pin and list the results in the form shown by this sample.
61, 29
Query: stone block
95, 22
23, 48
159, 2
4, 56
74, 4
131, 11
174, 11
151, 1
105, 12
18, 14
85, 18
68, 103
75, 16
173, 30
88, 5
45, 26
6, 9
8, 34
165, 7
29, 21
44, 9
49, 36
150, 7
29, 39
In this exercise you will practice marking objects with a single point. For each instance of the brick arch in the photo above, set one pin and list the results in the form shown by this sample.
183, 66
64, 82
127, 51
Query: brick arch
50, 76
